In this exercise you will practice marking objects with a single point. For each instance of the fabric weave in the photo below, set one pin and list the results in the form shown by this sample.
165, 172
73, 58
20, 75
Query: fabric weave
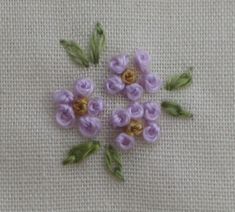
191, 168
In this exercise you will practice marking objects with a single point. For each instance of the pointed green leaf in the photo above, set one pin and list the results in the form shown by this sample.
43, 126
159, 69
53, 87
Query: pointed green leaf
97, 43
81, 152
113, 162
179, 81
75, 52
175, 109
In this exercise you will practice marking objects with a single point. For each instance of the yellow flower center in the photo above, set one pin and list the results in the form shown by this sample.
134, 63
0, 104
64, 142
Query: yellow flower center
135, 127
80, 106
129, 76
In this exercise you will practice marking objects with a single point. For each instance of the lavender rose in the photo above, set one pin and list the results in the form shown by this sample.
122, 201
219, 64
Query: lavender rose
65, 116
83, 87
120, 118
152, 83
151, 133
119, 63
63, 96
134, 91
136, 110
114, 85
95, 106
89, 126
124, 141
142, 60
152, 111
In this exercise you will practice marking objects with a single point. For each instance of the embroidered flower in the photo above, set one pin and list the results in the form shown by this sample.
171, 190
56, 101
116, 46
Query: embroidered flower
132, 81
77, 109
136, 120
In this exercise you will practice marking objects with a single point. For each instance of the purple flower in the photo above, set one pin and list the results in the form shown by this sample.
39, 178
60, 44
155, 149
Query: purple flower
132, 81
95, 106
142, 60
136, 110
120, 118
152, 111
83, 87
152, 83
77, 106
89, 126
124, 141
134, 91
114, 85
136, 120
65, 116
151, 133
63, 96
119, 63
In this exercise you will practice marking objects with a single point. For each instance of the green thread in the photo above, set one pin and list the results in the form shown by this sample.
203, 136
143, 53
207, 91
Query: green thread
97, 43
113, 162
179, 81
81, 151
175, 110
75, 52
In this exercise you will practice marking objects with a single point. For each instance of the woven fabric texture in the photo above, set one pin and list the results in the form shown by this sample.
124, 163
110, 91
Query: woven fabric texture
191, 168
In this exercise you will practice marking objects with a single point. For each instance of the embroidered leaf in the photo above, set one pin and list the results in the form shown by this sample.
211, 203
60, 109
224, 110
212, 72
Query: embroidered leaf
75, 52
175, 109
81, 152
97, 43
179, 81
113, 162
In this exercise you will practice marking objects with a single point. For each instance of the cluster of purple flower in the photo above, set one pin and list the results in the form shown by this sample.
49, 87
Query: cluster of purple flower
78, 109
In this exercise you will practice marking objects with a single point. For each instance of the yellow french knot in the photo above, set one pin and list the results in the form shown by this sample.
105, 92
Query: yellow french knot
135, 127
80, 106
129, 76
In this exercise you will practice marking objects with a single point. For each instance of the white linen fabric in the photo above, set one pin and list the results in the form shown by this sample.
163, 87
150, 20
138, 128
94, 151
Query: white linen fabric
191, 168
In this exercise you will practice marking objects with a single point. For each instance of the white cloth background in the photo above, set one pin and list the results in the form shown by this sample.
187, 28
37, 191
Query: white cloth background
192, 168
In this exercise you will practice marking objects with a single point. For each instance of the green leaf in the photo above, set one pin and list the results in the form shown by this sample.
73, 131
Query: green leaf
75, 52
97, 43
175, 110
113, 162
81, 152
179, 81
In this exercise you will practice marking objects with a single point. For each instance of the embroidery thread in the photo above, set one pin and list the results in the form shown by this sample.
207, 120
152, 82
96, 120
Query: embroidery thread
179, 81
97, 45
113, 162
81, 151
76, 53
175, 109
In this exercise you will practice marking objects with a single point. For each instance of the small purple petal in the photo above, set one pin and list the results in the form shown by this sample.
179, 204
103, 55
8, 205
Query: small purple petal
89, 126
83, 87
152, 83
124, 141
63, 96
65, 116
95, 106
114, 85
120, 118
134, 91
119, 63
152, 111
151, 133
142, 60
136, 110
